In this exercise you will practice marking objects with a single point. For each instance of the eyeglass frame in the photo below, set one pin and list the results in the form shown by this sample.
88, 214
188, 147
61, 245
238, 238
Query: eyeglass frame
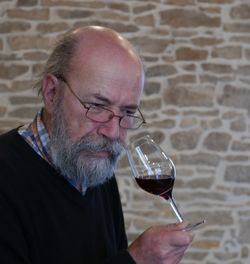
143, 121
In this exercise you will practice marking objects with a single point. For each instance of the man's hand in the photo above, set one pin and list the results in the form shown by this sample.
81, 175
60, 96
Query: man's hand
164, 244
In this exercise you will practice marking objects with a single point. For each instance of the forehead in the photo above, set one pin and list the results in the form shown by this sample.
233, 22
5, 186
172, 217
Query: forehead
110, 71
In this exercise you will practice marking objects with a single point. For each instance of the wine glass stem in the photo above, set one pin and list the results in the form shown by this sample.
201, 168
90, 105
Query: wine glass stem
176, 211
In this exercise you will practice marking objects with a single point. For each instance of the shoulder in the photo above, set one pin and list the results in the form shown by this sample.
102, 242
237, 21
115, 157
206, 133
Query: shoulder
16, 156
9, 142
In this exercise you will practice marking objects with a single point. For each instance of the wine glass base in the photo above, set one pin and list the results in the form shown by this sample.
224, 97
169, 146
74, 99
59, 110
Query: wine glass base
194, 226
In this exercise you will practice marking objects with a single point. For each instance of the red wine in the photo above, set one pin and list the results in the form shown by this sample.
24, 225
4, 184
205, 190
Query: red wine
162, 187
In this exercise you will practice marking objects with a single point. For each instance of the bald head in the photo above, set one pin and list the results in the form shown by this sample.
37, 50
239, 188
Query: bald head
97, 47
89, 45
101, 35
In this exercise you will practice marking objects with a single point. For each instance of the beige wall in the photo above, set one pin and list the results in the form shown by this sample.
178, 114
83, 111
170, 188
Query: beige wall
196, 101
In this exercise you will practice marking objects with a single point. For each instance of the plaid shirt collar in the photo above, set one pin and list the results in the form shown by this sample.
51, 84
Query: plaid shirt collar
35, 134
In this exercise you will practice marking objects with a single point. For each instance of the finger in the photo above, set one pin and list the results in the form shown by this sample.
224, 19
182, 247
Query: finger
181, 239
177, 226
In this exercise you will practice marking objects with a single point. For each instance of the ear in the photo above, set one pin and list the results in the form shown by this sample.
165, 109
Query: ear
49, 91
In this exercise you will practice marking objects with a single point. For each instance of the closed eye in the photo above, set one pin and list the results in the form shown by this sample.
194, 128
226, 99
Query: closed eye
96, 105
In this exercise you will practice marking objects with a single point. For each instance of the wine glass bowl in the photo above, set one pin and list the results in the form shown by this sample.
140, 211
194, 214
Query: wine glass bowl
154, 171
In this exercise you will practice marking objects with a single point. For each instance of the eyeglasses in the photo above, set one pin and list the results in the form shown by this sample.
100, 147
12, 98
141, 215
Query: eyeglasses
98, 113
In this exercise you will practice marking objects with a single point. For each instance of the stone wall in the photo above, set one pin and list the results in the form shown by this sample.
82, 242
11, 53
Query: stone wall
196, 101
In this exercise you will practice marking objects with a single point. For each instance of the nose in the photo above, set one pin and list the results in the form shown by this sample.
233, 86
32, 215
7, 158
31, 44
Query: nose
110, 129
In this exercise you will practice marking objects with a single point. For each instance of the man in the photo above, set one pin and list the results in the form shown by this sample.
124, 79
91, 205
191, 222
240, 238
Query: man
59, 201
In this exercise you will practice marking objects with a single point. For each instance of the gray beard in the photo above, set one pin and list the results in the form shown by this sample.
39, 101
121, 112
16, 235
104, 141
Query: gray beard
77, 161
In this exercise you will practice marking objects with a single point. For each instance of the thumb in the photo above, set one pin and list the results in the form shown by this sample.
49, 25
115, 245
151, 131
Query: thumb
181, 238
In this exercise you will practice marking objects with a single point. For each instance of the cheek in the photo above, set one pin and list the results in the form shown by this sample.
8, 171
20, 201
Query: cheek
76, 124
79, 128
123, 135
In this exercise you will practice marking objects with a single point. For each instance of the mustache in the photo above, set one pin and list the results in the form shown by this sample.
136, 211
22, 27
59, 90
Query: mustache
95, 144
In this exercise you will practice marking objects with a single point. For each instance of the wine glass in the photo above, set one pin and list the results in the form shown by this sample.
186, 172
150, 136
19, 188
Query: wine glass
154, 172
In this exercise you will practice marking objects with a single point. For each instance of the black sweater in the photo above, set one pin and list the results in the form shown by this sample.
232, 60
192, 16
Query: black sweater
43, 219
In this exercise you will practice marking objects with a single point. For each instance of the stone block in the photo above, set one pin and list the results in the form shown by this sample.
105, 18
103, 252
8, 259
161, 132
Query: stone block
165, 123
188, 18
236, 158
160, 70
195, 256
230, 52
240, 12
24, 112
119, 6
241, 146
52, 27
12, 26
152, 88
247, 54
217, 68
149, 44
21, 100
34, 14
180, 2
74, 14
189, 54
241, 191
85, 3
235, 97
237, 27
245, 252
35, 56
23, 85
143, 8
198, 159
188, 96
12, 71
206, 244
210, 9
239, 125
188, 122
147, 20
237, 174
3, 88
10, 57
213, 218
29, 42
217, 141
240, 39
151, 104
206, 41
3, 110
185, 140
180, 79
115, 15
190, 67
244, 70
201, 183
220, 2
27, 2
227, 256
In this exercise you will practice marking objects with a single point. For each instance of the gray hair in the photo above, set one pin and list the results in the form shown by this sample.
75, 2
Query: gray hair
59, 60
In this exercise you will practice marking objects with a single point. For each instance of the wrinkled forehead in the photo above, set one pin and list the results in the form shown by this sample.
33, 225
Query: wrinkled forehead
103, 45
107, 56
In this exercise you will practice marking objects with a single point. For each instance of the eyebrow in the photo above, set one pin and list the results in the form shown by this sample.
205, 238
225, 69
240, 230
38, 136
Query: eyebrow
108, 102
